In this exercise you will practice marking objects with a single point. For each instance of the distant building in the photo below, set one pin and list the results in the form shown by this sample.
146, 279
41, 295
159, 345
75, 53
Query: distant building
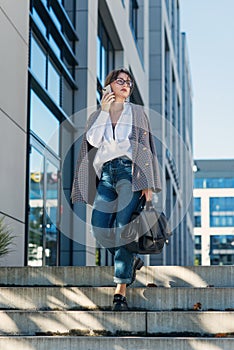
54, 58
214, 212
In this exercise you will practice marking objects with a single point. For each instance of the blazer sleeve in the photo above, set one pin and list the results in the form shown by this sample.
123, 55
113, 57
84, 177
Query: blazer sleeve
146, 167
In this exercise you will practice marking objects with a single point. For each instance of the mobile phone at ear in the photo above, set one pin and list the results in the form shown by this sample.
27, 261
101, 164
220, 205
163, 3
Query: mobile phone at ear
107, 89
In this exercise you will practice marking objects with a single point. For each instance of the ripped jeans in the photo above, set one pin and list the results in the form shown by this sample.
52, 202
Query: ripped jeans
112, 210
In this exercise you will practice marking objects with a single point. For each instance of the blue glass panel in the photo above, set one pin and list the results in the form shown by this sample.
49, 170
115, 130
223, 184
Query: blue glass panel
54, 46
39, 22
45, 2
214, 183
54, 83
222, 204
98, 58
197, 242
197, 204
197, 220
38, 61
103, 65
55, 19
221, 221
44, 123
222, 242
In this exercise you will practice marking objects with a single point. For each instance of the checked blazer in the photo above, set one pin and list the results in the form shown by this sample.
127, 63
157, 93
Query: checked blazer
145, 172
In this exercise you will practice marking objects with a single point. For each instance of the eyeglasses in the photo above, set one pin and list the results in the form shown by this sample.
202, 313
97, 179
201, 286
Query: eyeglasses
121, 81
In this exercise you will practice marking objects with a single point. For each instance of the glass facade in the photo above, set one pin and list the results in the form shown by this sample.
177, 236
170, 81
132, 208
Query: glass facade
51, 95
197, 211
41, 116
44, 213
197, 204
222, 250
214, 182
198, 242
221, 211
105, 57
133, 17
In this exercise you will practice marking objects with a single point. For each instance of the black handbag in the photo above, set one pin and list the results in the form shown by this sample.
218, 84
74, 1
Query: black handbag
148, 230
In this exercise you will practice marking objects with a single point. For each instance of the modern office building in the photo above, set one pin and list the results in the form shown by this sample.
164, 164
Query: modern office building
214, 212
54, 59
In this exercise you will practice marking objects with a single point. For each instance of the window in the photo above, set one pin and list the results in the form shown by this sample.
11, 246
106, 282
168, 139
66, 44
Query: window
222, 249
197, 204
199, 183
54, 82
38, 61
55, 46
133, 17
43, 123
197, 261
222, 211
222, 204
105, 56
198, 242
39, 22
51, 90
214, 182
197, 220
53, 79
55, 19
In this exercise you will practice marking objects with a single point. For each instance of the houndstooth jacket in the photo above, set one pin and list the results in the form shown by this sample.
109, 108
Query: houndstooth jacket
145, 173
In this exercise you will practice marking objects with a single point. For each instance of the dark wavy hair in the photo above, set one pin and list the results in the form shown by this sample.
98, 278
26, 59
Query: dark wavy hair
113, 75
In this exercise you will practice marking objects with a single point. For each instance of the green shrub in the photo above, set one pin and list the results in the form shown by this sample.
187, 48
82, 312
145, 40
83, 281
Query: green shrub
6, 238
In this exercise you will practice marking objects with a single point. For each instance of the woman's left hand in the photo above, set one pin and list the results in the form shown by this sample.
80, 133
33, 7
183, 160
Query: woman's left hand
148, 193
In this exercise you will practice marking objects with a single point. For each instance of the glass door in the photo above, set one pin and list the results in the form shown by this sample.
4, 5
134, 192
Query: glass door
44, 204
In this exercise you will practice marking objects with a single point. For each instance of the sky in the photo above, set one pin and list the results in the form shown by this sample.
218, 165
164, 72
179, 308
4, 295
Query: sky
209, 28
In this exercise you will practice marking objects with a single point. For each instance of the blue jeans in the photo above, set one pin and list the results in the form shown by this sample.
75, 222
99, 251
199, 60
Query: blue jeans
112, 210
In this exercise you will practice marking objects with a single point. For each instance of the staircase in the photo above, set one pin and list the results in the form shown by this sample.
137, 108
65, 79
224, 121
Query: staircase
171, 307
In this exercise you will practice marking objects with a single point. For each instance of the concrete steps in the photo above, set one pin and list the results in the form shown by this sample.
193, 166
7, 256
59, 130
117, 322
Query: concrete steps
98, 276
99, 298
70, 308
112, 323
114, 343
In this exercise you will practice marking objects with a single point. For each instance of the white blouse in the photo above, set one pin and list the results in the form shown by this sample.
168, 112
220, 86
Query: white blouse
111, 143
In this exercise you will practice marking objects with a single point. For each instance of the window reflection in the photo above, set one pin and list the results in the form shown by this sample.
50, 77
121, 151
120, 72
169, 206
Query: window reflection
39, 22
54, 46
55, 19
67, 98
105, 57
197, 204
133, 17
221, 250
54, 82
214, 182
44, 123
44, 213
35, 243
51, 213
222, 211
38, 61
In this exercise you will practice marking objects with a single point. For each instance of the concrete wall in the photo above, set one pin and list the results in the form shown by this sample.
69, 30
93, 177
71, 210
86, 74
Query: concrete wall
14, 27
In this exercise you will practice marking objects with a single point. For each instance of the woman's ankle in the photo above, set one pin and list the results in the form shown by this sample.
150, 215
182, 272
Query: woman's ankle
121, 289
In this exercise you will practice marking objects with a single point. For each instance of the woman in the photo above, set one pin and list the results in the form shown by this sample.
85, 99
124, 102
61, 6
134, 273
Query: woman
127, 168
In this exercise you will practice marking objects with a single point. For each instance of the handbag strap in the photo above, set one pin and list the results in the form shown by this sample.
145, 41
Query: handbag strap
148, 205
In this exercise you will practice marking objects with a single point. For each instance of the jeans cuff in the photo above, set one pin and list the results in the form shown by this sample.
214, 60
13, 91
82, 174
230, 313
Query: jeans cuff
122, 280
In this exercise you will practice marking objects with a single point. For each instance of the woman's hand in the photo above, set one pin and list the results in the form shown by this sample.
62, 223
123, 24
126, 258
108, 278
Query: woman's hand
106, 101
148, 193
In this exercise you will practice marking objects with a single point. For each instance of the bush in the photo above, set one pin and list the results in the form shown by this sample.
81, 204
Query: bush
6, 238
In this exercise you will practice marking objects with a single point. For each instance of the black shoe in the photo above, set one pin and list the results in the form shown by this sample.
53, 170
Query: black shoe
120, 303
137, 265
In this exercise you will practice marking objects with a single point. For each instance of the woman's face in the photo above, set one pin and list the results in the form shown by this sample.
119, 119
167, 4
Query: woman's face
122, 86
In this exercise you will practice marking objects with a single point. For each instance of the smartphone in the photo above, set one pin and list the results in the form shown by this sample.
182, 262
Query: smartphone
107, 89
